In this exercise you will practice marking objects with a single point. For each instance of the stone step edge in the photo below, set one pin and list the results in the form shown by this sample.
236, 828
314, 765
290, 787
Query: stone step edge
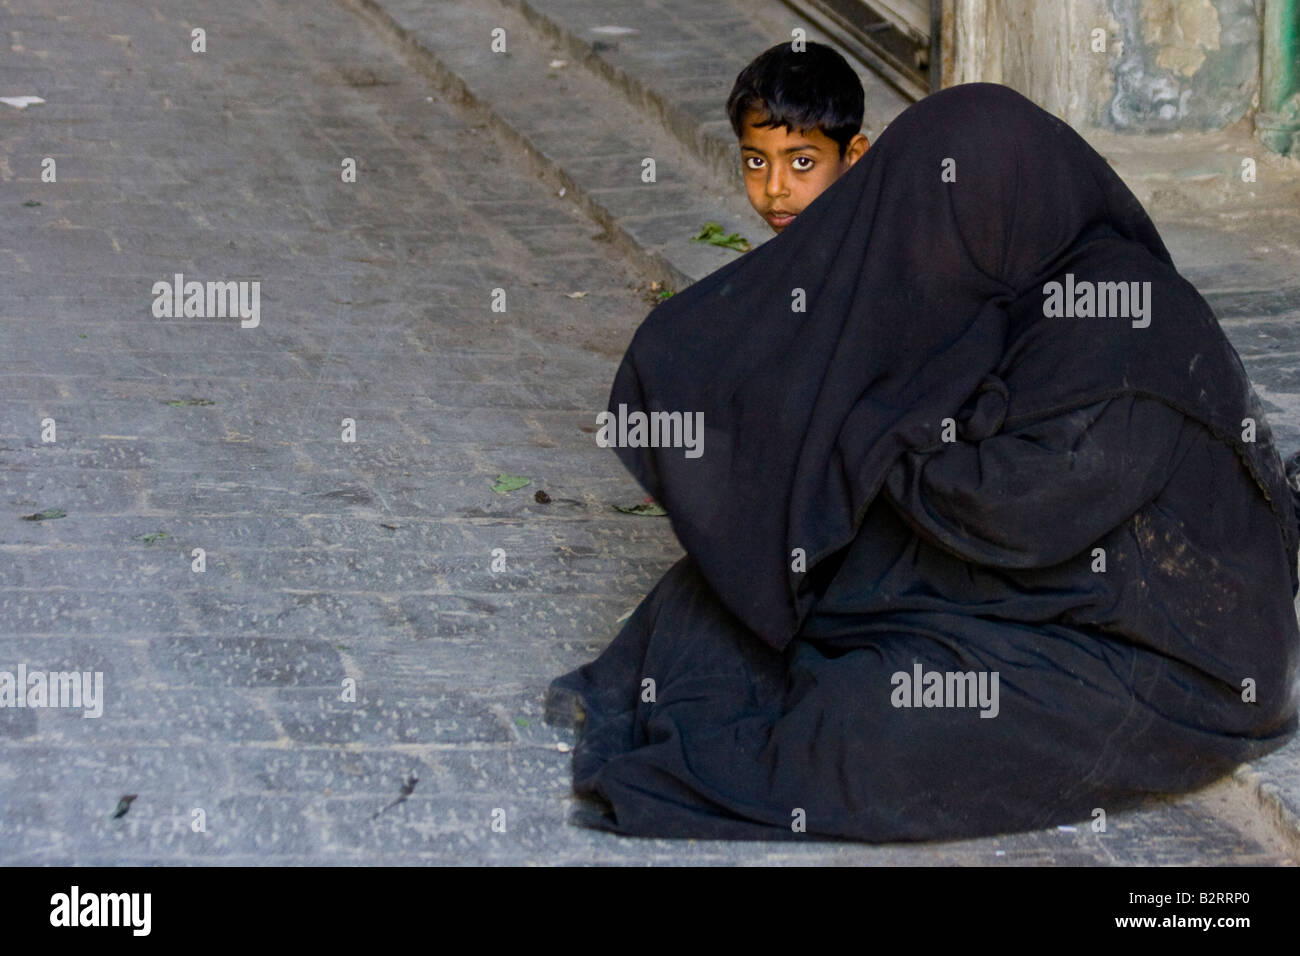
715, 153
1280, 818
655, 264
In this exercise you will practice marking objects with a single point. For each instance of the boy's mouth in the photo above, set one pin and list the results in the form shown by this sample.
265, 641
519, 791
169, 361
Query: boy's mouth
779, 218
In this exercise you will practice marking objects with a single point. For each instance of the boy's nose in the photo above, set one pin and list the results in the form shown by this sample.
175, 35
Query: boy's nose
775, 184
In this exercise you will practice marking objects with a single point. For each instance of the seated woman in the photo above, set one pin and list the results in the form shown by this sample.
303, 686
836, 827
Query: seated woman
988, 533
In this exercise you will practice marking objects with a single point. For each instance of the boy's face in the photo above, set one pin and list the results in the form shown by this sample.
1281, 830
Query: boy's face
785, 170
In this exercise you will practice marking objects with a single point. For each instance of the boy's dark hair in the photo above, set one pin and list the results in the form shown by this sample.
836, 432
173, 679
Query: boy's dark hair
812, 89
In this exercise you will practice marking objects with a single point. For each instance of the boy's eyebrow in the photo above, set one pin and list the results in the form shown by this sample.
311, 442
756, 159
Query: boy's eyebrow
785, 152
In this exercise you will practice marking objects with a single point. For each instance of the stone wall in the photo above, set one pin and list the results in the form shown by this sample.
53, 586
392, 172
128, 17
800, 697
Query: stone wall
1140, 65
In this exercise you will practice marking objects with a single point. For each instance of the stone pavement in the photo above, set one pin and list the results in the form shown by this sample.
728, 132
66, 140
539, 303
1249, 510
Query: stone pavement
327, 562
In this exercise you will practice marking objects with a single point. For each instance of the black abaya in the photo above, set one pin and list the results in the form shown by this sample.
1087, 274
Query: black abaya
1071, 504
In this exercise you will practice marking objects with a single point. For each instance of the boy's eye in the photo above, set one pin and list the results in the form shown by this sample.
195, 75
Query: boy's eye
803, 159
753, 162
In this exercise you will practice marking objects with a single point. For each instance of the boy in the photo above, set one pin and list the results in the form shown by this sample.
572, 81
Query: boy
798, 116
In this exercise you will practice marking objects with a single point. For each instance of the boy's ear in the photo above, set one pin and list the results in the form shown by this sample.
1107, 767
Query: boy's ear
857, 146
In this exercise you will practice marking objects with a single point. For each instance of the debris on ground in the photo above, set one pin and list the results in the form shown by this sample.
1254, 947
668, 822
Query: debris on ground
505, 483
715, 235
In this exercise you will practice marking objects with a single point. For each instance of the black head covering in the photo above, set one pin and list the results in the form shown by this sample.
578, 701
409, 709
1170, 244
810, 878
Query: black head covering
924, 301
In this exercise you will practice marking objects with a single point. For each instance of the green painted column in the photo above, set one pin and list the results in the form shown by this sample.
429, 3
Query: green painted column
1277, 124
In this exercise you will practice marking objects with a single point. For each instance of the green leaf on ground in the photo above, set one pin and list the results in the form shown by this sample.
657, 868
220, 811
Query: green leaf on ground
510, 483
152, 536
656, 292
523, 722
713, 234
31, 202
654, 509
178, 402
46, 515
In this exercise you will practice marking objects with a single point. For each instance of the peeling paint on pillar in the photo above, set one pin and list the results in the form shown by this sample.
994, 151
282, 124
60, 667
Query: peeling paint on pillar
1186, 64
